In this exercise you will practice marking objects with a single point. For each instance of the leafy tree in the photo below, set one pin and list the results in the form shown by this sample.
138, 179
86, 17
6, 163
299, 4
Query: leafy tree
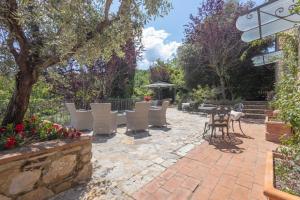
40, 34
160, 72
213, 32
141, 79
102, 80
196, 70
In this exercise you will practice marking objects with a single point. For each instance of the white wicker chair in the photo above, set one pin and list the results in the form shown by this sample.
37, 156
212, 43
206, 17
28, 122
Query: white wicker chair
80, 119
104, 120
138, 119
157, 117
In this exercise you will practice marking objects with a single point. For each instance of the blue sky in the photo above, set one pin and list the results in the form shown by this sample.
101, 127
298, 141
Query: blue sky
162, 37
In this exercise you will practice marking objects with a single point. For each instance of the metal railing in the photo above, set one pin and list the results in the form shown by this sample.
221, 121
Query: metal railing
55, 110
47, 109
121, 104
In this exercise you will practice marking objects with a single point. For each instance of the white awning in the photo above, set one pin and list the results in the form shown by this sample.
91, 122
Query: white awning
160, 84
267, 58
268, 19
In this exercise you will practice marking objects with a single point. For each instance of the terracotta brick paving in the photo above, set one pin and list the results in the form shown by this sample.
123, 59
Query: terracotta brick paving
230, 169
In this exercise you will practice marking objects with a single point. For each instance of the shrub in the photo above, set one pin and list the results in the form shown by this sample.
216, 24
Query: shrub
201, 94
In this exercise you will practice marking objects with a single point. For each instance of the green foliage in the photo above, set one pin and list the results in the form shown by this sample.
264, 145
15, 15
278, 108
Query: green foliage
43, 102
201, 94
287, 100
176, 74
31, 130
141, 79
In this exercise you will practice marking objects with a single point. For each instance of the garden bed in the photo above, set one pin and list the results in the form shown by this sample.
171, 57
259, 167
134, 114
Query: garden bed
277, 185
41, 170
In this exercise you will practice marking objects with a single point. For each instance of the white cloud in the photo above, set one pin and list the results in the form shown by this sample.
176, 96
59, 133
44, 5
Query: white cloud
155, 47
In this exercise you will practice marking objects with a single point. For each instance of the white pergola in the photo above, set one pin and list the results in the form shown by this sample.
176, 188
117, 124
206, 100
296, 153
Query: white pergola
266, 20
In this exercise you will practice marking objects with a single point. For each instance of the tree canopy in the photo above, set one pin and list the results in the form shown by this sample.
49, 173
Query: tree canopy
40, 34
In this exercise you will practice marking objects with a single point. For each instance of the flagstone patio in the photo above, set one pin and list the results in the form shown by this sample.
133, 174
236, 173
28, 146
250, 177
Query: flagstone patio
123, 163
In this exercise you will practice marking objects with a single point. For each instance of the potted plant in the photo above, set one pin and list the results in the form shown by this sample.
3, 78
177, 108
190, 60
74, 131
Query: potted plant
276, 129
147, 98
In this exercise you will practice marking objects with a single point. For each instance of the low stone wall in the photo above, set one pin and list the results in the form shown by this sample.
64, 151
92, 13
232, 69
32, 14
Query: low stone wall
44, 169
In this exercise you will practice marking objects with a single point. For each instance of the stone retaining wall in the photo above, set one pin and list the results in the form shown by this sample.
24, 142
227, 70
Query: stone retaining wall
44, 169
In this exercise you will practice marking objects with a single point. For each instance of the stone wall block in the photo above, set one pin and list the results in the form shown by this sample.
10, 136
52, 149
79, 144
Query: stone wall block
86, 158
24, 182
11, 165
85, 173
2, 197
86, 149
72, 150
41, 193
6, 179
62, 187
60, 169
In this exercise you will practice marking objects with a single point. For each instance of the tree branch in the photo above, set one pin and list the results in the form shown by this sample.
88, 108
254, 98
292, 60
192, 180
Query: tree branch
16, 31
123, 9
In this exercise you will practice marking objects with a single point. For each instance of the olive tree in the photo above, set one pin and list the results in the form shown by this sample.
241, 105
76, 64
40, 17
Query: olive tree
42, 33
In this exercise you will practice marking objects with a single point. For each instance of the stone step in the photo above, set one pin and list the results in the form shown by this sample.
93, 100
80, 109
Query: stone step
255, 102
255, 111
258, 107
254, 116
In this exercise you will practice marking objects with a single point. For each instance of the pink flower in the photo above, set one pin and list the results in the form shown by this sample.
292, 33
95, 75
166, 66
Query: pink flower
57, 127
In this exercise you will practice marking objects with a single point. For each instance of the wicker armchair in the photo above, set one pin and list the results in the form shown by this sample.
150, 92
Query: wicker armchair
157, 117
80, 119
104, 120
139, 118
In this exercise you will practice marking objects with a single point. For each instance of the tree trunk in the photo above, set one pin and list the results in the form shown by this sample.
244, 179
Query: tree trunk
19, 101
222, 81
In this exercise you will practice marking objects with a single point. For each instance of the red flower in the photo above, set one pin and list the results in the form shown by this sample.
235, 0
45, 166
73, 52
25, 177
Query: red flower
10, 143
19, 128
77, 134
2, 130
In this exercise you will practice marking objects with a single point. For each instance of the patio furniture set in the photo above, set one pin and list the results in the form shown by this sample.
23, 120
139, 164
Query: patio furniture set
220, 117
104, 121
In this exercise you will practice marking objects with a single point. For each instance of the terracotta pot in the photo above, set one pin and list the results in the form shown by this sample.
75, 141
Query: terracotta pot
276, 129
269, 113
269, 190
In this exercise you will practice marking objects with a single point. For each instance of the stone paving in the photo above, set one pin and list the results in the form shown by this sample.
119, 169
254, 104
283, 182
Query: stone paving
123, 163
230, 169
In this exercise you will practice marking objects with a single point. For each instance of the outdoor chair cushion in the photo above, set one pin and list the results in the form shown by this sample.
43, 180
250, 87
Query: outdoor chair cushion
234, 115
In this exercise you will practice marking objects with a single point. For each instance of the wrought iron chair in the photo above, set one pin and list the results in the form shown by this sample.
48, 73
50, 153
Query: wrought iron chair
236, 114
219, 119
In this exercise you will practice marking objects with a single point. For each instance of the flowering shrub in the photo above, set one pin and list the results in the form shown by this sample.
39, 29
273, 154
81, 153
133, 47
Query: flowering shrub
33, 130
147, 98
